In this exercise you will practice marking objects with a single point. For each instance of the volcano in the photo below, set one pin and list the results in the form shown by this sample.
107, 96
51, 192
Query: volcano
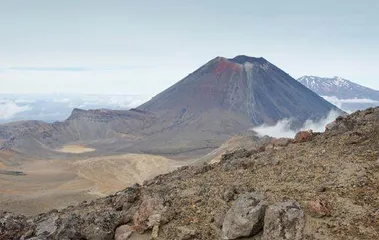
245, 87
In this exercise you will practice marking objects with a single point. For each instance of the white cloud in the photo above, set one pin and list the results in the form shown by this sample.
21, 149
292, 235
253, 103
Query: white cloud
23, 101
9, 109
338, 102
113, 101
283, 127
58, 106
352, 104
62, 100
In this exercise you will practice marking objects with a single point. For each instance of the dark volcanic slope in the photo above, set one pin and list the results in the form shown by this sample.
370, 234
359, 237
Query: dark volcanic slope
333, 176
247, 87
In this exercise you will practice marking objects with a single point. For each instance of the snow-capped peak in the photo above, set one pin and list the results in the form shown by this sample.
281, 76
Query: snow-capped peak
339, 87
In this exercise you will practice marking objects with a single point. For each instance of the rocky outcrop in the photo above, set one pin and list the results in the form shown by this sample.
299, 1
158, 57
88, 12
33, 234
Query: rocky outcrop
94, 220
13, 227
245, 218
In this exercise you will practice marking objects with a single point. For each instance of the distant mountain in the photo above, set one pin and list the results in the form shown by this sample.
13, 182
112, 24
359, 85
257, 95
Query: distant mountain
345, 94
196, 115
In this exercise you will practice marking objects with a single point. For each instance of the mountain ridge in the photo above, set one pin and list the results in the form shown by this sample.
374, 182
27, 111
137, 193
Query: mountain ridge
338, 87
345, 94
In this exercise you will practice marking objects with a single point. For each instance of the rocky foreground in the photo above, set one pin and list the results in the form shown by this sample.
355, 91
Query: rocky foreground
316, 186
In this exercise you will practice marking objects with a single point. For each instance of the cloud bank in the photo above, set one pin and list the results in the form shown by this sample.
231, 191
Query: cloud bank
283, 127
352, 104
58, 107
9, 109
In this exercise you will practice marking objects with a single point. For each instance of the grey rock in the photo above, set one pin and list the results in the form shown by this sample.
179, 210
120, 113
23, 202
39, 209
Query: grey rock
284, 221
275, 161
47, 227
245, 218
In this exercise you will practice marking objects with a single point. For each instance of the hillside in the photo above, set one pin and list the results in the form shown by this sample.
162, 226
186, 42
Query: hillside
317, 186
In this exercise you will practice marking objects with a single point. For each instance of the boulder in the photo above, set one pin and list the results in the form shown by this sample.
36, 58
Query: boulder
303, 136
123, 232
47, 227
284, 221
245, 217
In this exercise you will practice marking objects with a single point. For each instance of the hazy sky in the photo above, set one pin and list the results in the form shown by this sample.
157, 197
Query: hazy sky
142, 47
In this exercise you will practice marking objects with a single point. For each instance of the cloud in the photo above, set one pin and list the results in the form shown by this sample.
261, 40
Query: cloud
9, 109
112, 101
73, 69
336, 101
283, 127
351, 104
23, 101
57, 107
50, 69
61, 100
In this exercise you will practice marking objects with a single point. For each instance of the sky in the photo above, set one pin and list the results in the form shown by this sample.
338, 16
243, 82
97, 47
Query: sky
143, 47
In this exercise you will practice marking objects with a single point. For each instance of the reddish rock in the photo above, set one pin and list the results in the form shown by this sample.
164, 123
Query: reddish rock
152, 212
303, 136
262, 149
149, 207
320, 207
